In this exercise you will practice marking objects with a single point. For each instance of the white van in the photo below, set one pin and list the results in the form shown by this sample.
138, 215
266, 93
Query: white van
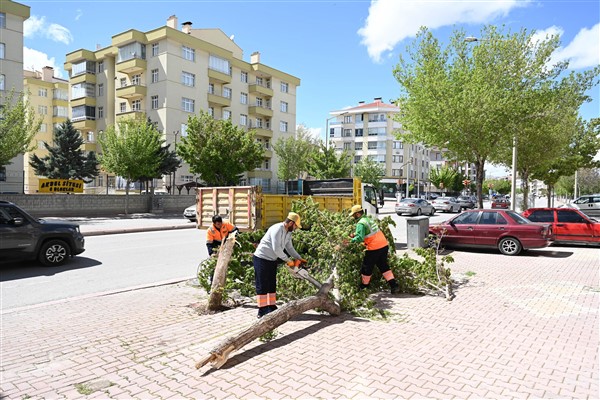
588, 204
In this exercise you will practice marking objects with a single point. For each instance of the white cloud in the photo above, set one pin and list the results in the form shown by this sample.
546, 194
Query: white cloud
391, 21
584, 49
79, 14
34, 60
37, 26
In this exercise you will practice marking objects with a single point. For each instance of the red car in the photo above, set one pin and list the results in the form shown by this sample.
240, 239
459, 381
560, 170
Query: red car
505, 230
568, 224
501, 203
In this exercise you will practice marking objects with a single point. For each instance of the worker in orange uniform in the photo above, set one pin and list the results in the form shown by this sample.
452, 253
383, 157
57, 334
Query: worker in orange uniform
217, 233
368, 231
271, 248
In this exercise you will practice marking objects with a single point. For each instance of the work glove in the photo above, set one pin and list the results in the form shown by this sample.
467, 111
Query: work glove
303, 263
293, 263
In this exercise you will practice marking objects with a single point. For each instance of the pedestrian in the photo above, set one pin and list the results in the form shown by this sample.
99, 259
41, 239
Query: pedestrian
217, 233
368, 232
273, 246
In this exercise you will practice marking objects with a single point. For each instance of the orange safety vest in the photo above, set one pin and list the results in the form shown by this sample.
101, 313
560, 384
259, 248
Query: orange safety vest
375, 240
213, 234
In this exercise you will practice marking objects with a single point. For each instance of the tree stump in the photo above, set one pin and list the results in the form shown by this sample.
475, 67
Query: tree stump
220, 354
220, 275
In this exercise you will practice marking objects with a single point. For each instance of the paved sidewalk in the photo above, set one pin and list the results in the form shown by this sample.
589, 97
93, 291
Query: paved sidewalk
520, 327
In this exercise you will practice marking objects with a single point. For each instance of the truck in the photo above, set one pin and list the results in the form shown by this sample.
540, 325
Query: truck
249, 209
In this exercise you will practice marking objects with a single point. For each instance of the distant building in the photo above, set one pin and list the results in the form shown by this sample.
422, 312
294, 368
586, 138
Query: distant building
49, 98
170, 74
12, 16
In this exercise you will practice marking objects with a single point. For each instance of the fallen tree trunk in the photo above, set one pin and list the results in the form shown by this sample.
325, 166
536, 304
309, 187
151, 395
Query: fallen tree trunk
215, 299
220, 354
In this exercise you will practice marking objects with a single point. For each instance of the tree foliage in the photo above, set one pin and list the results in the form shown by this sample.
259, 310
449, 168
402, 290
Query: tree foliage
501, 186
219, 151
369, 171
66, 159
294, 154
444, 177
18, 126
327, 163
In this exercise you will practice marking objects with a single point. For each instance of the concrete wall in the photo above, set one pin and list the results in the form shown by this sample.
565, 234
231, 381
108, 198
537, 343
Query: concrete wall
91, 205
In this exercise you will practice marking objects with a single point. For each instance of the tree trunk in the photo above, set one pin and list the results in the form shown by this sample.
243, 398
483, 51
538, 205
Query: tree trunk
549, 195
479, 175
127, 197
525, 189
220, 274
220, 354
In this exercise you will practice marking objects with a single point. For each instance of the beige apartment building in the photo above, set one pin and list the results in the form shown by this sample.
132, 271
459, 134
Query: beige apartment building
368, 130
12, 16
49, 98
169, 74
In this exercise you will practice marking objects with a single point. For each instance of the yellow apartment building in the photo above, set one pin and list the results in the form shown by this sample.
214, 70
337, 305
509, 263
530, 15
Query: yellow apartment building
169, 74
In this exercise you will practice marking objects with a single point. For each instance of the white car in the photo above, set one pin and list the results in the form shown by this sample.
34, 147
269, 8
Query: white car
446, 204
190, 213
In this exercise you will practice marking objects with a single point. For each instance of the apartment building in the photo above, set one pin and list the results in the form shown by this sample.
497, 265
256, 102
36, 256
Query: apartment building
49, 98
369, 130
169, 74
12, 16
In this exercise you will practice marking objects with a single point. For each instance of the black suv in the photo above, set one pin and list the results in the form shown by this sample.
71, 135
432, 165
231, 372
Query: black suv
23, 237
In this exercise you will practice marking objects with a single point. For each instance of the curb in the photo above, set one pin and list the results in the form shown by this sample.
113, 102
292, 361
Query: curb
136, 230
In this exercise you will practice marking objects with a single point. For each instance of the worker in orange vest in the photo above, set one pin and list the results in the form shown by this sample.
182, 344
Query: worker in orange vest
217, 233
368, 232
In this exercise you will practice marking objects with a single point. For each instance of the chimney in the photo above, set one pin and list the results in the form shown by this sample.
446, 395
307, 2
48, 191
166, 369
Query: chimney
172, 22
186, 27
47, 74
361, 102
255, 58
377, 99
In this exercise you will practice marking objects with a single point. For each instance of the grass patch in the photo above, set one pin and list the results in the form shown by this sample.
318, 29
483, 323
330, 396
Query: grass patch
84, 389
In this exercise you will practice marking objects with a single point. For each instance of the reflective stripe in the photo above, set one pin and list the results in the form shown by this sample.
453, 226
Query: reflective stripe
365, 279
271, 299
261, 300
388, 275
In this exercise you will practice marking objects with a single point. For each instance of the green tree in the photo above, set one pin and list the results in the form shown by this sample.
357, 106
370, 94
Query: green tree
326, 163
18, 126
443, 178
218, 151
130, 151
369, 171
501, 186
294, 154
66, 159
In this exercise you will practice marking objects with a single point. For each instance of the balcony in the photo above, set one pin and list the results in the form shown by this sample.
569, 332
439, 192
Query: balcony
268, 153
132, 66
214, 75
81, 78
261, 111
131, 92
261, 133
256, 88
84, 124
83, 101
90, 146
137, 114
219, 100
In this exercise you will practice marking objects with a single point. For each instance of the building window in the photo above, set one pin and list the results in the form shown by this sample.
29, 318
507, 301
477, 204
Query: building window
2, 20
136, 105
347, 133
396, 145
347, 146
211, 111
123, 82
397, 159
358, 146
283, 126
226, 92
43, 128
243, 120
396, 172
284, 87
100, 66
60, 111
43, 92
100, 112
211, 88
155, 75
80, 113
100, 89
2, 78
188, 79
188, 53
244, 98
136, 79
187, 104
59, 94
131, 51
358, 118
122, 107
83, 89
183, 130
84, 67
357, 159
259, 122
43, 110
219, 64
358, 132
154, 49
226, 114
284, 106
41, 145
347, 119
2, 48
244, 77
154, 100
267, 164
90, 137
259, 102
372, 145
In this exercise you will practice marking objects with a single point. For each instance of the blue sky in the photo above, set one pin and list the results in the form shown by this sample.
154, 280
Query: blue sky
343, 51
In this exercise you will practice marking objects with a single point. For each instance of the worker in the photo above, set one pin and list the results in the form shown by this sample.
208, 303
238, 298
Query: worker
273, 246
368, 232
217, 233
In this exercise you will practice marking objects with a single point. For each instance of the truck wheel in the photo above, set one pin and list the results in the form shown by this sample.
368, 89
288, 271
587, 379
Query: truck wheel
509, 246
54, 253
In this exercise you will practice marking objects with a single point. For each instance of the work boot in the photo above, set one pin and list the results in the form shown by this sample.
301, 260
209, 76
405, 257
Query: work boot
394, 287
272, 308
262, 311
362, 286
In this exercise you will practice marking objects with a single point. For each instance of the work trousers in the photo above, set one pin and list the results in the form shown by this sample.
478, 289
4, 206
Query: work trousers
265, 281
375, 257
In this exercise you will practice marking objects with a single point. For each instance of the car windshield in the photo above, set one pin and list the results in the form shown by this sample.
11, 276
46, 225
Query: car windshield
518, 218
408, 201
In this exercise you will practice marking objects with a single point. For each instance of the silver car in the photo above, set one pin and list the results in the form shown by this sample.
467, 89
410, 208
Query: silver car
446, 204
414, 207
588, 204
190, 213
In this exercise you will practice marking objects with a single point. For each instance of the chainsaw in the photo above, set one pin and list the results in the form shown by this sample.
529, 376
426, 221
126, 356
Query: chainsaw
300, 272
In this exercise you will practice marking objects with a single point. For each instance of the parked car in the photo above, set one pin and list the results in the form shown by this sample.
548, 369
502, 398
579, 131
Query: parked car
23, 237
446, 204
466, 202
505, 230
588, 204
190, 213
414, 207
568, 224
501, 202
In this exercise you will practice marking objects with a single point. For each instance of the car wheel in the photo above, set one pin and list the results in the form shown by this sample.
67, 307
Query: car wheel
399, 213
54, 253
509, 246
432, 211
418, 211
